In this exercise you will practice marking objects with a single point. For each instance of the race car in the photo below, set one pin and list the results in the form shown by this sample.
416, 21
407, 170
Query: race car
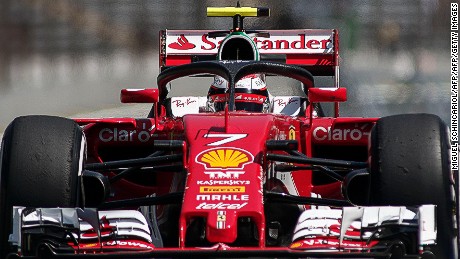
236, 172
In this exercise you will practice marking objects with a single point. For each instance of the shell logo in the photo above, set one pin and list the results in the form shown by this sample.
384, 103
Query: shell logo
224, 158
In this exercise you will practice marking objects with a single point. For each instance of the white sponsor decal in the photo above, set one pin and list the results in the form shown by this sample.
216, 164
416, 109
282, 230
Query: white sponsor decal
116, 135
221, 219
127, 243
282, 102
279, 42
222, 197
223, 182
227, 138
330, 242
224, 175
322, 133
182, 103
220, 206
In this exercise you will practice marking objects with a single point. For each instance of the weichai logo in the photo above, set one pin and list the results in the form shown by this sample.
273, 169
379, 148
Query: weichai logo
224, 158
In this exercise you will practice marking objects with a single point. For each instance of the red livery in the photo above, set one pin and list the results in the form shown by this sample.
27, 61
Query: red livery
235, 171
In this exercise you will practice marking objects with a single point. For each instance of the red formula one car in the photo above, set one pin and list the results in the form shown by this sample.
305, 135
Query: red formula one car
236, 172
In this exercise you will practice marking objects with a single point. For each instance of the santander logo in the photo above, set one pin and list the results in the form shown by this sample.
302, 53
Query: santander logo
280, 42
182, 44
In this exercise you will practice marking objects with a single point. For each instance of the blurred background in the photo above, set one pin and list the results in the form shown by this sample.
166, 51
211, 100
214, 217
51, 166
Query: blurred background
71, 57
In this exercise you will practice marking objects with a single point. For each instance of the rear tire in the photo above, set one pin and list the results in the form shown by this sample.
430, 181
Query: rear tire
41, 164
410, 165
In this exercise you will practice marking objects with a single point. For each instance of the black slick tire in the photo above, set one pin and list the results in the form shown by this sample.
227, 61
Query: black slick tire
41, 164
410, 165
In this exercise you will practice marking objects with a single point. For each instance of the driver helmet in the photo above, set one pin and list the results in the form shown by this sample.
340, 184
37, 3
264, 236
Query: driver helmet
251, 94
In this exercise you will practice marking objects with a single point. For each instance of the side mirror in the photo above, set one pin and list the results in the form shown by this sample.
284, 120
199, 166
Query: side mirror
149, 95
317, 95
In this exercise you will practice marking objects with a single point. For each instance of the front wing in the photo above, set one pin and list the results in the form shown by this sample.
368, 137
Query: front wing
350, 232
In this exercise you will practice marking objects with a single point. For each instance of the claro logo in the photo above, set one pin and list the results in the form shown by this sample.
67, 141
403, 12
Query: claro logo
123, 135
322, 133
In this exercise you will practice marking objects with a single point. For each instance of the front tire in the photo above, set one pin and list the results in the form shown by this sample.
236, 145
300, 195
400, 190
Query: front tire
410, 165
41, 164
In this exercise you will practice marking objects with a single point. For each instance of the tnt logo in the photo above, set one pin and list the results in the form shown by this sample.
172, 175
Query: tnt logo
224, 175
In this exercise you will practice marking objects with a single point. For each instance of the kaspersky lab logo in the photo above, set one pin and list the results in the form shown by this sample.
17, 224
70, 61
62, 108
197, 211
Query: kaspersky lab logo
182, 44
224, 158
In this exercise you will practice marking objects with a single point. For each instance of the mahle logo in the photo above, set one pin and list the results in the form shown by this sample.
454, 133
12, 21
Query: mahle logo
224, 158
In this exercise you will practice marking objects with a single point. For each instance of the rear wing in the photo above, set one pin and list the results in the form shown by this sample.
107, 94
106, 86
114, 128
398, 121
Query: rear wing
315, 50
